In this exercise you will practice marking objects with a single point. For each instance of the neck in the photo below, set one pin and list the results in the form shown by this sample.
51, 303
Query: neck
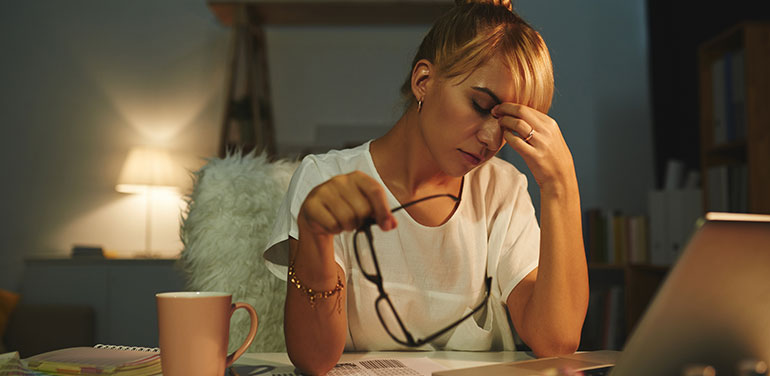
406, 165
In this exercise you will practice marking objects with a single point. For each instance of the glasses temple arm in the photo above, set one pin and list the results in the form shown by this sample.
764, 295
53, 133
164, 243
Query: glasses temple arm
433, 336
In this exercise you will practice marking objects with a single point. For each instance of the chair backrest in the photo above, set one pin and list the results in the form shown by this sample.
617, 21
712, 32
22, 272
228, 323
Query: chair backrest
229, 217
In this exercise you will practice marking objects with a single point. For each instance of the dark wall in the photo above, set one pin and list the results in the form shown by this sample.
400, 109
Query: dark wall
676, 30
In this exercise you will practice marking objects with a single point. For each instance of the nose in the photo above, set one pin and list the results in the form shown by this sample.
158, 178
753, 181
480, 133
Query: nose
490, 134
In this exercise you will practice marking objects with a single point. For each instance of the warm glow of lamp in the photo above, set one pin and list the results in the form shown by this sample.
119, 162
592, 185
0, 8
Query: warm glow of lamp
147, 170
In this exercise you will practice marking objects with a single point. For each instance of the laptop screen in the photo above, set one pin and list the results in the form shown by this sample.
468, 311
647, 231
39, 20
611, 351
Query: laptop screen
714, 307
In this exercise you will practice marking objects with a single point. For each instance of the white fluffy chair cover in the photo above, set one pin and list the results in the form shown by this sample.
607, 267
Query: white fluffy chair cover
229, 217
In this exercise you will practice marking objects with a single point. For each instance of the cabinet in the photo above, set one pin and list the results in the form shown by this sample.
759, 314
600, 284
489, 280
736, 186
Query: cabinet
735, 119
121, 292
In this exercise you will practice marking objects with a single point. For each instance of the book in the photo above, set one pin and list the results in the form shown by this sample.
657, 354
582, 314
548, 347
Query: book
614, 238
614, 330
100, 360
11, 364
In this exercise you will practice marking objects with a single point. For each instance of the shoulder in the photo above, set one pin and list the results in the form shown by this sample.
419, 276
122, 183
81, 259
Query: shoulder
335, 162
316, 169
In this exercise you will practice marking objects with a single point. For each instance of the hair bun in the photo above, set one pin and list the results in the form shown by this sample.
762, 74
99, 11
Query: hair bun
508, 4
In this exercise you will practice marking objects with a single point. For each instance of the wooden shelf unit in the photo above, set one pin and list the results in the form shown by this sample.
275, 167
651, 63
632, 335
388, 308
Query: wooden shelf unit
247, 122
340, 12
639, 283
753, 150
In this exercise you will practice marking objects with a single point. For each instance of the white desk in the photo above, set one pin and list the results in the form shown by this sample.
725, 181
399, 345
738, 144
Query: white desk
246, 364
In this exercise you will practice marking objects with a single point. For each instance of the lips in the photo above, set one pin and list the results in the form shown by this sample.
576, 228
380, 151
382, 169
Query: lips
473, 159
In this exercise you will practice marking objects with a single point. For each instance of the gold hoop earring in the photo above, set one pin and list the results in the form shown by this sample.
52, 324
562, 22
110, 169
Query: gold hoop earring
419, 105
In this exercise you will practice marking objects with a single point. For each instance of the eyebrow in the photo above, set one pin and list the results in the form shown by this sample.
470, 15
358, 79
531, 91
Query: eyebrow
488, 92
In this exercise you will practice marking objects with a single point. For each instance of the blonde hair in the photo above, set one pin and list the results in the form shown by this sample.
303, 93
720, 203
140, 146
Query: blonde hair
470, 34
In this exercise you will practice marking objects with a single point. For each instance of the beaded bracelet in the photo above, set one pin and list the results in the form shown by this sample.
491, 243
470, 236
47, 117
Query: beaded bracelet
312, 294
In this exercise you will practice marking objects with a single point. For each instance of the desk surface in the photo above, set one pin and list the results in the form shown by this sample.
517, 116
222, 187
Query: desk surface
448, 359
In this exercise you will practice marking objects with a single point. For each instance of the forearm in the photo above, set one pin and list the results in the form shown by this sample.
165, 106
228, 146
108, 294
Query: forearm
557, 307
315, 333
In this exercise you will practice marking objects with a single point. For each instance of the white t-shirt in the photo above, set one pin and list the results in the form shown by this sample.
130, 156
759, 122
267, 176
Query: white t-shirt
433, 275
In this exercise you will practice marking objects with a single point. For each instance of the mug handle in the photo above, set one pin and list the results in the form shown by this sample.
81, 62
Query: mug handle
249, 338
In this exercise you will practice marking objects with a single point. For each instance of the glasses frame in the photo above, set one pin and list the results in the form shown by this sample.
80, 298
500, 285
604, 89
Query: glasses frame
376, 278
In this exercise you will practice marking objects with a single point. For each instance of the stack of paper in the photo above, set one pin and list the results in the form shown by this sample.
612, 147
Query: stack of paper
97, 360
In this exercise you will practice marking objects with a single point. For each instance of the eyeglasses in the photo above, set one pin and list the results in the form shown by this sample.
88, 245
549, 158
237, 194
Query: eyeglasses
383, 304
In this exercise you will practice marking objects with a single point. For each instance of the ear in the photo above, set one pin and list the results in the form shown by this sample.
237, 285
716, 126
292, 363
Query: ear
422, 74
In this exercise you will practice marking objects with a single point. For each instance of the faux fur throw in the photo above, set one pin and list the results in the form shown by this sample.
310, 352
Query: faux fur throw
229, 217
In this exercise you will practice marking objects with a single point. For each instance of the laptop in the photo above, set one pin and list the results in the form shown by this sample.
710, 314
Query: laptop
712, 311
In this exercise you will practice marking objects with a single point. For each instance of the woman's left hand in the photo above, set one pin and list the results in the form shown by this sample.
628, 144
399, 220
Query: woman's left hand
539, 141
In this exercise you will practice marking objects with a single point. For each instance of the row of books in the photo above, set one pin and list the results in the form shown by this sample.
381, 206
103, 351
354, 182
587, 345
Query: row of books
729, 97
613, 238
728, 188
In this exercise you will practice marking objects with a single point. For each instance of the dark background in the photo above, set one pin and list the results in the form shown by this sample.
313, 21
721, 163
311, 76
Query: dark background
676, 29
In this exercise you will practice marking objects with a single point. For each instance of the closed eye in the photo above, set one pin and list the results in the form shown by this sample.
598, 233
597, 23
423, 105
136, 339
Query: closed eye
481, 110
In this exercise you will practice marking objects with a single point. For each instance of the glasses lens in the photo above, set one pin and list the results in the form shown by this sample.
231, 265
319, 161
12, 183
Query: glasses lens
389, 320
367, 262
364, 254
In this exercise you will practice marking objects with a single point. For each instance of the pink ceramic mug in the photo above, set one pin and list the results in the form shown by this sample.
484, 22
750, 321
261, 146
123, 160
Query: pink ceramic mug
194, 330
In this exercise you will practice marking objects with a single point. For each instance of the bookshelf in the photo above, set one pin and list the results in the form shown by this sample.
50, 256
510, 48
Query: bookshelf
622, 276
734, 96
735, 119
619, 297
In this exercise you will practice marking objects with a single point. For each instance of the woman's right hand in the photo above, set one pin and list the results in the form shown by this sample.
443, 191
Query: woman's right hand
316, 332
342, 203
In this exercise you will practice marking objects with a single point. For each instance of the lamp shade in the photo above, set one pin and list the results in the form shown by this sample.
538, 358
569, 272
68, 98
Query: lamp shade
149, 168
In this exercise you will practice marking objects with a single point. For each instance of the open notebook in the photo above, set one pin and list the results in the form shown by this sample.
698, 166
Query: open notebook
713, 309
100, 359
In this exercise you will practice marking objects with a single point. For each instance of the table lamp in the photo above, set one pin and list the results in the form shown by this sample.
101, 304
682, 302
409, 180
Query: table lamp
147, 170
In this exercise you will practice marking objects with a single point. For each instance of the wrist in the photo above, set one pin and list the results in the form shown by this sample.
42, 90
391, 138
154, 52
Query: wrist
314, 259
310, 232
313, 294
559, 189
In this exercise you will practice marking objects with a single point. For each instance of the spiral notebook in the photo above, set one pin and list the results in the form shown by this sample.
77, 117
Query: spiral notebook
100, 359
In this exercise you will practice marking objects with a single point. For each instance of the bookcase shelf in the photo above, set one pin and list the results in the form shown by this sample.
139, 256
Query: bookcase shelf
728, 153
620, 294
735, 101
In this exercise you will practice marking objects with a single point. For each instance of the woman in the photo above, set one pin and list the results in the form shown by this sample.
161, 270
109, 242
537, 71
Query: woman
481, 78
